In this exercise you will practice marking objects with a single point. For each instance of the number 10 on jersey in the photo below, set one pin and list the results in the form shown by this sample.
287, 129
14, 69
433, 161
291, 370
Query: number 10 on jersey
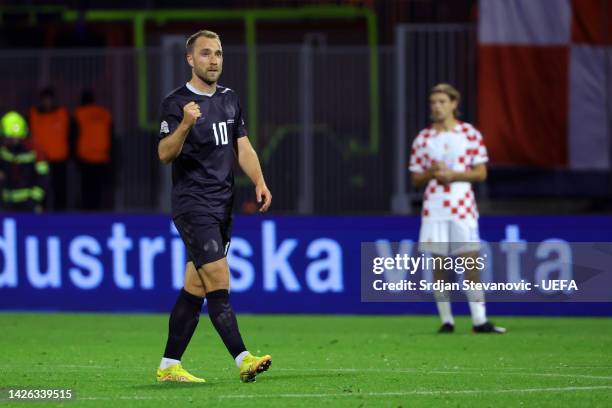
222, 132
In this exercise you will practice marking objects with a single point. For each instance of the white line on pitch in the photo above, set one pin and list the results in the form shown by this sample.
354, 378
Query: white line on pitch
363, 394
424, 392
450, 372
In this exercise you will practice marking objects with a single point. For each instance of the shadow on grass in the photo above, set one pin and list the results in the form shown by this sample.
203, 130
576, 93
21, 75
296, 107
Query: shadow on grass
273, 378
165, 386
296, 375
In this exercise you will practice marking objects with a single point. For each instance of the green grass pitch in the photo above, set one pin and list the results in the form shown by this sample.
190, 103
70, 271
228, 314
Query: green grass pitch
335, 361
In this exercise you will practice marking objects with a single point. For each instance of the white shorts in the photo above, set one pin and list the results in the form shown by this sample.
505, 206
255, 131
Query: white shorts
448, 237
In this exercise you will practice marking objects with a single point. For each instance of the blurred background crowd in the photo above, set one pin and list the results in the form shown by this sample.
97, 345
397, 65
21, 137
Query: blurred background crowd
56, 158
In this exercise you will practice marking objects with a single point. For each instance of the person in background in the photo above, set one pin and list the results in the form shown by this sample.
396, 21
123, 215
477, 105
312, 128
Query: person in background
94, 139
50, 127
23, 172
446, 159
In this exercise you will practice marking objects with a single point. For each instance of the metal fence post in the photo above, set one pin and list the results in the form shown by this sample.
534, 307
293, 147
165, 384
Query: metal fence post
306, 189
170, 43
400, 202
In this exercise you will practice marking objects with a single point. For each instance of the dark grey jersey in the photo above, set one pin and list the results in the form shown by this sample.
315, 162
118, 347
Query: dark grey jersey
202, 175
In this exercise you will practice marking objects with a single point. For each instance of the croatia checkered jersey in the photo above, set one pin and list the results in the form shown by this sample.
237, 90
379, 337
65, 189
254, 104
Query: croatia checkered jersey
461, 149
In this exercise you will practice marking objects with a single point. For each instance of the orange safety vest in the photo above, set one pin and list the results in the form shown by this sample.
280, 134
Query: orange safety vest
50, 132
94, 138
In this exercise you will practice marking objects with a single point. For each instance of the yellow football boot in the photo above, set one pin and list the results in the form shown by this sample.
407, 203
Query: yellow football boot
176, 373
252, 366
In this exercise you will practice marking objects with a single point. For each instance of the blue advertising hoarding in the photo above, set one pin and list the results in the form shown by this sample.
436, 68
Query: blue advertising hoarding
279, 264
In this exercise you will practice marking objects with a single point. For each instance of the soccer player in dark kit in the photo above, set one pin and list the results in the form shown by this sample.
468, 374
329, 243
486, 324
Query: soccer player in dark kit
202, 133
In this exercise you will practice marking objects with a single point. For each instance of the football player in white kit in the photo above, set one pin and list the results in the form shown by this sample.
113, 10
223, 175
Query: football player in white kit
446, 158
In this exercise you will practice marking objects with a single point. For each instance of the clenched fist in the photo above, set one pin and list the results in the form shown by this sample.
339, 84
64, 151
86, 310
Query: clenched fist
191, 113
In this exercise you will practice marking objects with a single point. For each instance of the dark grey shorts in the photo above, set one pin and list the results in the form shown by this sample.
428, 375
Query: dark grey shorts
206, 236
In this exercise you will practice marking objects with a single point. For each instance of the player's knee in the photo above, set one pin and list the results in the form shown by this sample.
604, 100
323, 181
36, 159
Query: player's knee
216, 275
441, 275
194, 287
472, 275
193, 283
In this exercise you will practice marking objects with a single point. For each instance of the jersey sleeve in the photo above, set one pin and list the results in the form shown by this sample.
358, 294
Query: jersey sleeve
418, 156
480, 154
171, 116
239, 127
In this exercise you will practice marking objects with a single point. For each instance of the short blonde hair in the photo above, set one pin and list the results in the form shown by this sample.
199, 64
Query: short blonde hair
202, 33
451, 92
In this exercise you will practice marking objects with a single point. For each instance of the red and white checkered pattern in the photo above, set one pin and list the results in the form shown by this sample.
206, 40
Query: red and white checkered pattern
542, 96
461, 149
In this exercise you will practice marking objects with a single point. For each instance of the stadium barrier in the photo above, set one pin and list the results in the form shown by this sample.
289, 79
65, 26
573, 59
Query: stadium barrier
280, 264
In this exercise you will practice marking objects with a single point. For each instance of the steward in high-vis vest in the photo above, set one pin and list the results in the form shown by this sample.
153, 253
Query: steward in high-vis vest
50, 127
23, 172
94, 144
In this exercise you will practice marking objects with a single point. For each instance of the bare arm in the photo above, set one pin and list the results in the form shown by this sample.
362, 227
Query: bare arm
421, 179
170, 147
249, 163
476, 174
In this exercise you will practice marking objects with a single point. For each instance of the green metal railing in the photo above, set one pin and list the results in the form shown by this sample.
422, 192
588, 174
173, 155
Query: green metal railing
250, 17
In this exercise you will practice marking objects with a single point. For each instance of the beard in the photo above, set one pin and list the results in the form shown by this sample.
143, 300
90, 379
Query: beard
208, 77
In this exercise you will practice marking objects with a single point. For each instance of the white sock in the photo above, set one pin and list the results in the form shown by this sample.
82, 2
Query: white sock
167, 362
444, 307
241, 357
477, 306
